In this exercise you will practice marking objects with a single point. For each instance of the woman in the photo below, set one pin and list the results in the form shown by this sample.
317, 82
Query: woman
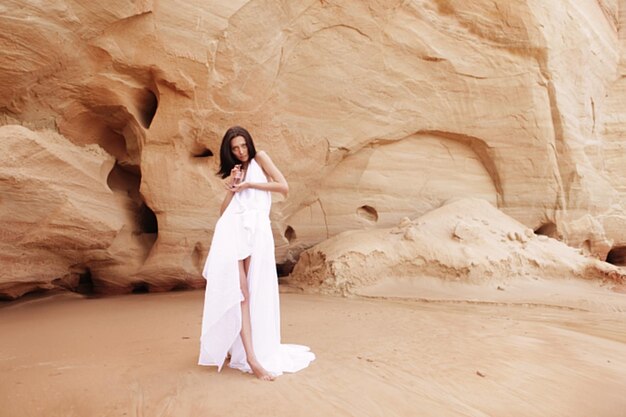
241, 306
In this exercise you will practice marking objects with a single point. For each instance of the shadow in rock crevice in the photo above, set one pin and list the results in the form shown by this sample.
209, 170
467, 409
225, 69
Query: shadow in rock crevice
285, 268
617, 256
202, 153
290, 234
147, 220
368, 213
548, 229
85, 283
140, 287
147, 106
125, 180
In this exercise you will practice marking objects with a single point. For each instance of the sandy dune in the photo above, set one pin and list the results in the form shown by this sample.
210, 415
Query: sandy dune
63, 355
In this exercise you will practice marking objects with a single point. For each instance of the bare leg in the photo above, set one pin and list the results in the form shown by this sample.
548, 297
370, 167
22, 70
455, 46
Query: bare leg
246, 329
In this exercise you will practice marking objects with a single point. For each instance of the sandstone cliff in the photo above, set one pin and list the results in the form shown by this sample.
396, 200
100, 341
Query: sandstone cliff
374, 110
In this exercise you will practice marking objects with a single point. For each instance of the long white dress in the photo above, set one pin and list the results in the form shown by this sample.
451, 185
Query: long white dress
245, 230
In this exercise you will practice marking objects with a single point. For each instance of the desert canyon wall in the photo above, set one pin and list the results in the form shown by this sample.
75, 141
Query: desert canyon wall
111, 115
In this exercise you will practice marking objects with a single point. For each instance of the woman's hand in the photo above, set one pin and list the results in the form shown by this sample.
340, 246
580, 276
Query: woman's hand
228, 186
235, 188
235, 177
236, 173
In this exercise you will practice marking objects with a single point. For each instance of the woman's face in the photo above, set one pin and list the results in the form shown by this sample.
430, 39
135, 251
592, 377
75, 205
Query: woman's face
239, 148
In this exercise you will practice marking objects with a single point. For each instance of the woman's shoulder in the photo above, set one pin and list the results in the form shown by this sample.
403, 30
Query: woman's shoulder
262, 157
263, 161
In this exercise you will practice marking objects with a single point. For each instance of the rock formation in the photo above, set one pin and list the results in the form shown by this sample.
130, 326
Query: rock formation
466, 240
62, 223
374, 111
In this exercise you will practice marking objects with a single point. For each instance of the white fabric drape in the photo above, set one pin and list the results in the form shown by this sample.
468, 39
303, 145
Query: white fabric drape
245, 230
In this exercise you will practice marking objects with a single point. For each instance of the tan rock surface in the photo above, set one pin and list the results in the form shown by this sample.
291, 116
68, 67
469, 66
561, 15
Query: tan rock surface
54, 214
61, 221
374, 111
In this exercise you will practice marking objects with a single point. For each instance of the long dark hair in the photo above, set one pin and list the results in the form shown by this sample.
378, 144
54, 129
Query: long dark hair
227, 159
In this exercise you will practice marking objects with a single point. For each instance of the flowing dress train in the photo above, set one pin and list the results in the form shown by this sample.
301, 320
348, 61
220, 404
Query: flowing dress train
244, 230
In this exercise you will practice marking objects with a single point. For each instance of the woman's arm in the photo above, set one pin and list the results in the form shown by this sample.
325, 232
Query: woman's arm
277, 182
227, 198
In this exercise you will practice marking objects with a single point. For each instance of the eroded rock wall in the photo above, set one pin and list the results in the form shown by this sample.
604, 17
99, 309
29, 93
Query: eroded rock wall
374, 111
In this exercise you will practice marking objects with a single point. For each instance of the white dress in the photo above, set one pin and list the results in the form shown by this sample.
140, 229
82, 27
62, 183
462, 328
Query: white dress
245, 230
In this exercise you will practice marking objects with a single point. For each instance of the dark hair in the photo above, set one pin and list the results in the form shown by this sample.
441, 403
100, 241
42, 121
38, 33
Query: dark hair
227, 159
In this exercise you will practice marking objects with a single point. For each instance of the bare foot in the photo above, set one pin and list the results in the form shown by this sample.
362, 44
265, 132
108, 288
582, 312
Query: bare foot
260, 372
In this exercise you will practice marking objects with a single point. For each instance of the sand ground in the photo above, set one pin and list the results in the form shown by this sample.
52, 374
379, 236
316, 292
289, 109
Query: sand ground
384, 355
